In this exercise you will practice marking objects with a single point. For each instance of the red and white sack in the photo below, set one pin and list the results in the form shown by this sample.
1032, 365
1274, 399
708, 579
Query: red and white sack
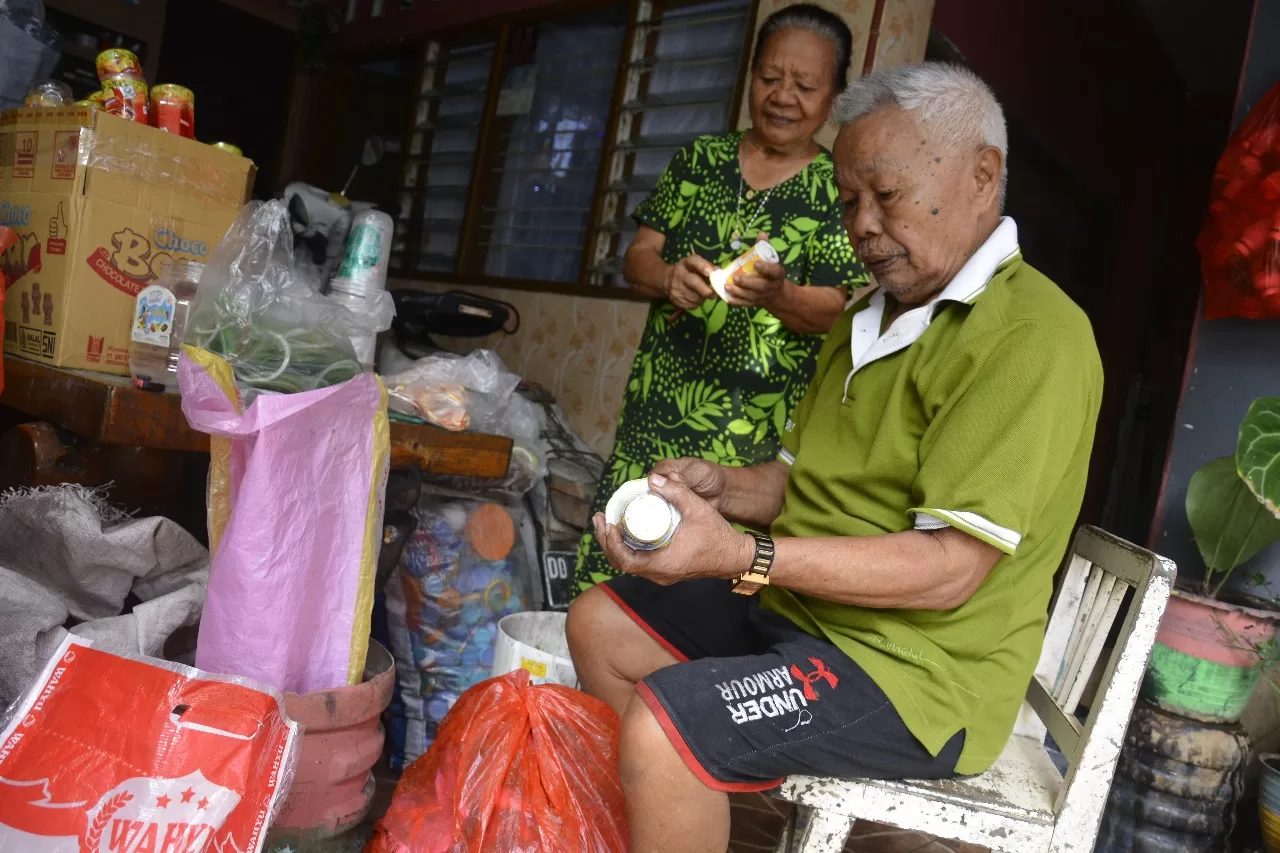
114, 754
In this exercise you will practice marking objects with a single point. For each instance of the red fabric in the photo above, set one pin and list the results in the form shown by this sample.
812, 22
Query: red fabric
1240, 241
514, 769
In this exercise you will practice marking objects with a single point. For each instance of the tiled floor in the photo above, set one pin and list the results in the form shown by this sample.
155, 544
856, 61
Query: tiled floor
758, 820
757, 823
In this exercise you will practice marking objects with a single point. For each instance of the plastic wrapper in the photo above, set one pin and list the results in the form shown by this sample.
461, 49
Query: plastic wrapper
475, 392
515, 768
28, 49
255, 309
296, 494
1240, 241
112, 752
468, 563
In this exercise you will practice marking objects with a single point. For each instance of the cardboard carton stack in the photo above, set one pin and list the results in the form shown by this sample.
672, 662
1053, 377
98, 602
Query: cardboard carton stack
100, 204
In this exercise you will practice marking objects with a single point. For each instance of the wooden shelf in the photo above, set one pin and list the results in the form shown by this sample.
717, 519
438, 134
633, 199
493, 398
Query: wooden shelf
109, 410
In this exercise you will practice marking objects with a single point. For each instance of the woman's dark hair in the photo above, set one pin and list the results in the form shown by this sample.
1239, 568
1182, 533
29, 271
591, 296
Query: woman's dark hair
806, 16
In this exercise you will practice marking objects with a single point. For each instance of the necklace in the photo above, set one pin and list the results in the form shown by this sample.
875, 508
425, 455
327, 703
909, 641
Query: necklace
735, 239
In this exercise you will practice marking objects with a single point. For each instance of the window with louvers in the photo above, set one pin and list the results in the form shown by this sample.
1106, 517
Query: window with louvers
529, 149
442, 151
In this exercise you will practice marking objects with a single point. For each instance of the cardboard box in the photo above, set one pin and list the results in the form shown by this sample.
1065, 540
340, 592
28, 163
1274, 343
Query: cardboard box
100, 205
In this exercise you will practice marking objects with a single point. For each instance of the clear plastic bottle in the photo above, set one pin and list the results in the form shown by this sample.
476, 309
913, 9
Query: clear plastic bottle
160, 315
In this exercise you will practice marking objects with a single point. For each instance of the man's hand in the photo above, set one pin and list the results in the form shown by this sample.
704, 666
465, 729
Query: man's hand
759, 289
705, 479
687, 284
704, 545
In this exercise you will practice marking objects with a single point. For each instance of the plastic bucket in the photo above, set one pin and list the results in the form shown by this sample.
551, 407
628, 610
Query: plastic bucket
536, 643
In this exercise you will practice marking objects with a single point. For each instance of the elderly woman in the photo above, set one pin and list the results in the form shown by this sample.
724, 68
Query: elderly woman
716, 379
925, 492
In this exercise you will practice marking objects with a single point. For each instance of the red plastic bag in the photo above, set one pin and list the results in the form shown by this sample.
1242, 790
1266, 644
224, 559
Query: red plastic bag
514, 769
1240, 241
112, 754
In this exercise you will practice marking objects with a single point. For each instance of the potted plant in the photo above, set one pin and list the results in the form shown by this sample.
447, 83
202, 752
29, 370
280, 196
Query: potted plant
1210, 652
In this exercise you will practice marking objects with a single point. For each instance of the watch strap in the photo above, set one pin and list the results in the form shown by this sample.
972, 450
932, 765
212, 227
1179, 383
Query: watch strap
757, 576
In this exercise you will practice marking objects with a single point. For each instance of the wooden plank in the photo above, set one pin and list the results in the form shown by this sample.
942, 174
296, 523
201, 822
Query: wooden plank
99, 407
1064, 728
1096, 575
109, 410
438, 451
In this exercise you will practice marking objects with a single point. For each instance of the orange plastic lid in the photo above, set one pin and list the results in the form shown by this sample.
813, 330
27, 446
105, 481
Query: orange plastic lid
491, 531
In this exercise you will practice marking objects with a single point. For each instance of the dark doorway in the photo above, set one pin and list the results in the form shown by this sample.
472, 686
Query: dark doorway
240, 68
1117, 111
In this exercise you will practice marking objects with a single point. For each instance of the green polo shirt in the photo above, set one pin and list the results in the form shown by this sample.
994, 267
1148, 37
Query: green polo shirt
985, 423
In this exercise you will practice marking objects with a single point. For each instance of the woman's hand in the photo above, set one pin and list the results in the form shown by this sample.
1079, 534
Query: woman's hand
687, 284
761, 288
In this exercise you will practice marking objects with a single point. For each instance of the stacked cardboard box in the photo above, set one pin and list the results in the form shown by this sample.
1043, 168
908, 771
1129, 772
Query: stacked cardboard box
100, 205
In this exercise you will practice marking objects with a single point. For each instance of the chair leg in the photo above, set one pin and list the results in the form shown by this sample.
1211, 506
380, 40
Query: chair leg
817, 831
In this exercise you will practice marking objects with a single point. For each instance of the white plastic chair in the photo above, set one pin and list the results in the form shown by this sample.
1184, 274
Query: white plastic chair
1023, 804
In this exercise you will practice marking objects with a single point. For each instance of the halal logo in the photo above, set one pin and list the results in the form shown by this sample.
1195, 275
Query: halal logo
821, 672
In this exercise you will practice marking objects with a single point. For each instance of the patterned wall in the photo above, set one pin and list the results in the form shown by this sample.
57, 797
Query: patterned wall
581, 348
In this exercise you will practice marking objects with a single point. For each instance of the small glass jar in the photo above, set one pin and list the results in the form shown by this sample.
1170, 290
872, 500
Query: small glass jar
646, 521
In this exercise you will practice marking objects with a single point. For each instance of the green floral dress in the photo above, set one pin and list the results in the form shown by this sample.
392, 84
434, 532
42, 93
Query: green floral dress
718, 382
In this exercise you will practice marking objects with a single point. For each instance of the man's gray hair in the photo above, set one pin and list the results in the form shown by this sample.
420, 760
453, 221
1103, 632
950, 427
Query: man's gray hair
953, 101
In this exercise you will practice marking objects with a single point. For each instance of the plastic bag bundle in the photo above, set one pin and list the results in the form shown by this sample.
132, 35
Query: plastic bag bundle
466, 566
258, 311
1240, 241
120, 753
455, 392
515, 768
28, 49
296, 490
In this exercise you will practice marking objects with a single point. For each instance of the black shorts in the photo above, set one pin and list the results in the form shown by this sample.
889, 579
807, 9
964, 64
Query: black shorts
755, 699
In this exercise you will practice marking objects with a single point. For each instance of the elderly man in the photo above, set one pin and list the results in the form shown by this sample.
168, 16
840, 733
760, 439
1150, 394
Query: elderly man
925, 493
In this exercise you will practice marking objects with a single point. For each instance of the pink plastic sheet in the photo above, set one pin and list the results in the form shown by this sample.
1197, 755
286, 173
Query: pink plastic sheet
295, 516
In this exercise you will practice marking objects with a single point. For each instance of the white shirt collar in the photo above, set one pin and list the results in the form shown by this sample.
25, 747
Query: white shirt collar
868, 345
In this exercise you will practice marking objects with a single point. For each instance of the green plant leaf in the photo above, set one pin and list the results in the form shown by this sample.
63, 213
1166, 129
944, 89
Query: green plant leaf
1258, 452
719, 314
780, 417
1229, 523
760, 431
741, 427
791, 234
804, 224
718, 446
766, 401
754, 412
688, 189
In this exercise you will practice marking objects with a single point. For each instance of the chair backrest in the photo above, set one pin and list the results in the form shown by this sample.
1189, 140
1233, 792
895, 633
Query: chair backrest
1101, 572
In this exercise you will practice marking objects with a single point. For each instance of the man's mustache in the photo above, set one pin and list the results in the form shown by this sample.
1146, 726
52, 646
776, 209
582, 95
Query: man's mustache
871, 250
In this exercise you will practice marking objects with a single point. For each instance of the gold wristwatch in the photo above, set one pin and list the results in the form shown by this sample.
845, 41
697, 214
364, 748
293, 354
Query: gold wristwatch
750, 581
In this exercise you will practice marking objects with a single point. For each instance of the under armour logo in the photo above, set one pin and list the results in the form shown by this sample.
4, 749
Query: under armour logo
808, 678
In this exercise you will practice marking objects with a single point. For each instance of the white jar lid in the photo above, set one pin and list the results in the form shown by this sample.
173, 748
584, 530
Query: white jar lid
626, 495
647, 518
